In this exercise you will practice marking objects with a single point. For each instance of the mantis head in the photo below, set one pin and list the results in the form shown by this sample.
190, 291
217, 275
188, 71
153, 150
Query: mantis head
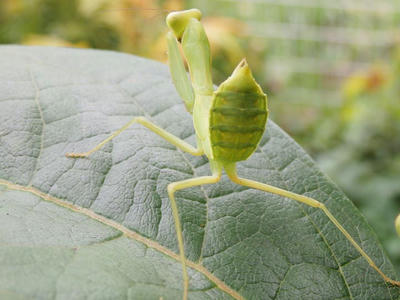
177, 21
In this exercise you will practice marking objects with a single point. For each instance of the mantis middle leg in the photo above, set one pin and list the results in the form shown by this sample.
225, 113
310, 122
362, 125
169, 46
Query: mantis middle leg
172, 188
231, 172
156, 129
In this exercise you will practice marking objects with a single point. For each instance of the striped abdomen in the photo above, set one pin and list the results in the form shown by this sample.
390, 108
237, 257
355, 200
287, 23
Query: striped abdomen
237, 123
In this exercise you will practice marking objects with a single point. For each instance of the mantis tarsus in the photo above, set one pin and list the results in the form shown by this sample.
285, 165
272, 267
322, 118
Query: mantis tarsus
229, 122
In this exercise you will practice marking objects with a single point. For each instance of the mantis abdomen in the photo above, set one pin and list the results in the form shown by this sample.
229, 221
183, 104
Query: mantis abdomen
237, 117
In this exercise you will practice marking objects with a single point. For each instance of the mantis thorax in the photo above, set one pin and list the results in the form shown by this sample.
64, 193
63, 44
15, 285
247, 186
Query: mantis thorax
229, 122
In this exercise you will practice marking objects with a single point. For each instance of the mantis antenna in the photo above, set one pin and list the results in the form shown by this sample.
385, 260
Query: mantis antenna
229, 123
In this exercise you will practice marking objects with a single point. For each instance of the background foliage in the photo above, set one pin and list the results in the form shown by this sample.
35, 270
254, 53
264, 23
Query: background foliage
331, 70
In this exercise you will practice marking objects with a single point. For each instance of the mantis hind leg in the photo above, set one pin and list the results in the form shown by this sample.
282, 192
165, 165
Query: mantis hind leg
172, 188
231, 171
156, 129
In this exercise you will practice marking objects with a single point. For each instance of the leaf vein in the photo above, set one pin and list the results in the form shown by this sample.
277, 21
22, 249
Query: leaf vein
37, 95
318, 230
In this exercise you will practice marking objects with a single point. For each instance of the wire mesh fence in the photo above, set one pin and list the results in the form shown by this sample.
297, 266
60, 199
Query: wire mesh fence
313, 45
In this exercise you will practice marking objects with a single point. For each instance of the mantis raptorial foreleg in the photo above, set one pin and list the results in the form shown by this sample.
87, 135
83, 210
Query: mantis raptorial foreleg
231, 172
172, 188
161, 132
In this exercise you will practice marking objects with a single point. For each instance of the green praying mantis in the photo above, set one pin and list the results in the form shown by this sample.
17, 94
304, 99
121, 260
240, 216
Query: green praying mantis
229, 122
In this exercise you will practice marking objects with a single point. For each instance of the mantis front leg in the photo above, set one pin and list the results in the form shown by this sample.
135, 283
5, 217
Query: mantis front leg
172, 188
161, 132
231, 172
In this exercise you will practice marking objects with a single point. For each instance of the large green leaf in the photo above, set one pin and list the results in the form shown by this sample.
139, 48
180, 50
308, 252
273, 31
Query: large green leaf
101, 228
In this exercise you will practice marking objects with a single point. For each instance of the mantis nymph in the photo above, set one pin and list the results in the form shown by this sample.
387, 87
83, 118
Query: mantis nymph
229, 122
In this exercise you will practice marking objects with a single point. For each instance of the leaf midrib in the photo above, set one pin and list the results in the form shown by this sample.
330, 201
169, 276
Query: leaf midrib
126, 231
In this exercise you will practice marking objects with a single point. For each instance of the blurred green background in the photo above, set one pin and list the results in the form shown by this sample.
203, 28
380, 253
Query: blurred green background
330, 68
